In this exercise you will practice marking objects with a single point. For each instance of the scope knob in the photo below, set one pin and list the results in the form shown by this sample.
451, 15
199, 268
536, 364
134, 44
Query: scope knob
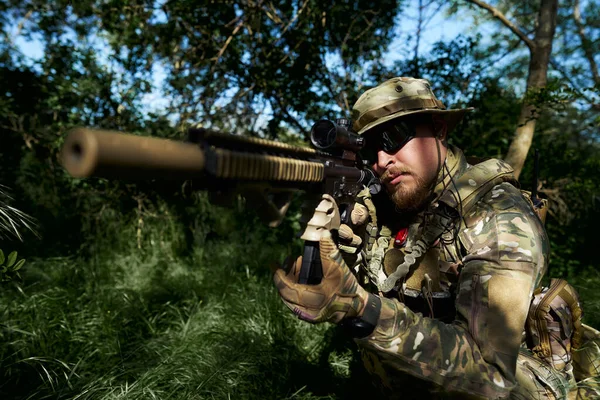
345, 122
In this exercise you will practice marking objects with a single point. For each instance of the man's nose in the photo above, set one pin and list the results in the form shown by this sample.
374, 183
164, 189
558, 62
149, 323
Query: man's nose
384, 160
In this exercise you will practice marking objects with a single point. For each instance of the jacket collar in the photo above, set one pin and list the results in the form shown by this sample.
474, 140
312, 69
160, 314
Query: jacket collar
454, 166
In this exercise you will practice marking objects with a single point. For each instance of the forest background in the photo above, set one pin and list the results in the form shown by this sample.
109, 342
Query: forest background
145, 290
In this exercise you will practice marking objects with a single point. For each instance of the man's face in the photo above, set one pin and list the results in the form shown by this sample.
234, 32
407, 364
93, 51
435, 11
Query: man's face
409, 174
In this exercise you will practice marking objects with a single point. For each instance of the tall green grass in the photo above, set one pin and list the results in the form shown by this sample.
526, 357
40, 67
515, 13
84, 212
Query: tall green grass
164, 303
138, 315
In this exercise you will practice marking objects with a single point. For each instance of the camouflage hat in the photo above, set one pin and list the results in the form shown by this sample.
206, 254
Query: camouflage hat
398, 97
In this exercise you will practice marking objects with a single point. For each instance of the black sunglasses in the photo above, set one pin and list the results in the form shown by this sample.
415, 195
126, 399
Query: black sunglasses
389, 137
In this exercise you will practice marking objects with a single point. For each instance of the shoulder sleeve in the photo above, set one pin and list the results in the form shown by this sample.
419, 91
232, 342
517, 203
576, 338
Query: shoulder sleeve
506, 254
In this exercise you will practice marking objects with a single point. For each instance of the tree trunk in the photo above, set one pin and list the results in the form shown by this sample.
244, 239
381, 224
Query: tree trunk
537, 78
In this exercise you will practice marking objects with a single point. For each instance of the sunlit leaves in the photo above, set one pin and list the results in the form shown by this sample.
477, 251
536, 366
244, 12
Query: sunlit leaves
9, 267
234, 65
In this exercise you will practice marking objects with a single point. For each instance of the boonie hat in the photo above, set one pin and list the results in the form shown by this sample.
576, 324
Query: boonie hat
399, 97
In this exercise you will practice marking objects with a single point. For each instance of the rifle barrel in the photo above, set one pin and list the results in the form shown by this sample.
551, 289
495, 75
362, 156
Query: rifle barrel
90, 152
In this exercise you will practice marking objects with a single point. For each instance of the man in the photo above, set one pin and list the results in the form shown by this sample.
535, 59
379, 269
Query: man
450, 270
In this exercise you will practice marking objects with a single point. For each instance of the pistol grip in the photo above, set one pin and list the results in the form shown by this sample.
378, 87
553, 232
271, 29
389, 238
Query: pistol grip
311, 270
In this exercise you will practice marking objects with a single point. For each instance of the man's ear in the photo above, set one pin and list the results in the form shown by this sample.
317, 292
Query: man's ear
440, 127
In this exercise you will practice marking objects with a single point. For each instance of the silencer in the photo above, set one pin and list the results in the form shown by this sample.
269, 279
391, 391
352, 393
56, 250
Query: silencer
90, 152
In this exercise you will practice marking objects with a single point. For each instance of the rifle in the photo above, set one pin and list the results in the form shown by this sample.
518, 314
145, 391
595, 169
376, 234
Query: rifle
266, 172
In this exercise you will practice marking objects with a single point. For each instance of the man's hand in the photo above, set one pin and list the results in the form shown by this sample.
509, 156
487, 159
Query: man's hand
337, 297
350, 236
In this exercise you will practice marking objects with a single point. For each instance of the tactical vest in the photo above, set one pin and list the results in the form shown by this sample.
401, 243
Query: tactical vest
553, 331
411, 271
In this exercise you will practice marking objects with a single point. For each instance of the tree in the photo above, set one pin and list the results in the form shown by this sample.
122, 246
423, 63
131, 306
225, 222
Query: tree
540, 48
578, 50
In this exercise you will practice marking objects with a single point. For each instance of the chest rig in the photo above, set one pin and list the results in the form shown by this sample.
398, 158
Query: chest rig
421, 270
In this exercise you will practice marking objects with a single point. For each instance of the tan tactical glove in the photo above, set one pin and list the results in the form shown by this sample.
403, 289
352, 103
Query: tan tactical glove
350, 236
337, 297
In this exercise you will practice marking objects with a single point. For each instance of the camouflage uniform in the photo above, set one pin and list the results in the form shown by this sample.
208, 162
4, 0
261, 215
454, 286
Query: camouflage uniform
493, 265
448, 307
490, 262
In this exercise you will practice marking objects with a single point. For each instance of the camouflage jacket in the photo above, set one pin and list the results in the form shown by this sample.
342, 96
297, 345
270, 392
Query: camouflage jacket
497, 254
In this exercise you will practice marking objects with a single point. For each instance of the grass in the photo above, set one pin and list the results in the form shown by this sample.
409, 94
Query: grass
588, 285
149, 323
146, 317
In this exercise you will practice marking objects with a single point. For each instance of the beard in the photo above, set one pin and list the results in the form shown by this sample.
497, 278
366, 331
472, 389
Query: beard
409, 199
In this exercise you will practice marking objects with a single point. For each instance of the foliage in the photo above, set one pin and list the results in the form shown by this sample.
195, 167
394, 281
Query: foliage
12, 222
146, 289
127, 323
228, 63
9, 267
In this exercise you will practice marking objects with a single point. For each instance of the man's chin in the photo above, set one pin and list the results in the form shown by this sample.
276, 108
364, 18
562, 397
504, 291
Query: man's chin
410, 199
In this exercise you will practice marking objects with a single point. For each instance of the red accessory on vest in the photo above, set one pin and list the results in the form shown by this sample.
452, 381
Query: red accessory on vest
401, 237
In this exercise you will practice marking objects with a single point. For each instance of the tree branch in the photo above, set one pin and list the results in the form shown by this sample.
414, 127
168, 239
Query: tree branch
557, 67
291, 21
11, 39
502, 18
285, 29
369, 24
338, 100
418, 40
585, 42
287, 116
222, 50
23, 21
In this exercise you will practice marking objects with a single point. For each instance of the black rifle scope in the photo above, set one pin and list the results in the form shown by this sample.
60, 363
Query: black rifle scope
326, 134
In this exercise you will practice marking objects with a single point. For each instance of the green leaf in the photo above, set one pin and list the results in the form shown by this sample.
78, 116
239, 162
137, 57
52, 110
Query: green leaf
12, 257
18, 265
1, 257
3, 268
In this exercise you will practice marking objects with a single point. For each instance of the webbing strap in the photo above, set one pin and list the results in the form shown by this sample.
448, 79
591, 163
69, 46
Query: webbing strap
577, 314
543, 308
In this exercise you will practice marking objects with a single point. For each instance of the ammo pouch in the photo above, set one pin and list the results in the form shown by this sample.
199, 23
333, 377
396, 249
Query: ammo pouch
553, 327
586, 358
